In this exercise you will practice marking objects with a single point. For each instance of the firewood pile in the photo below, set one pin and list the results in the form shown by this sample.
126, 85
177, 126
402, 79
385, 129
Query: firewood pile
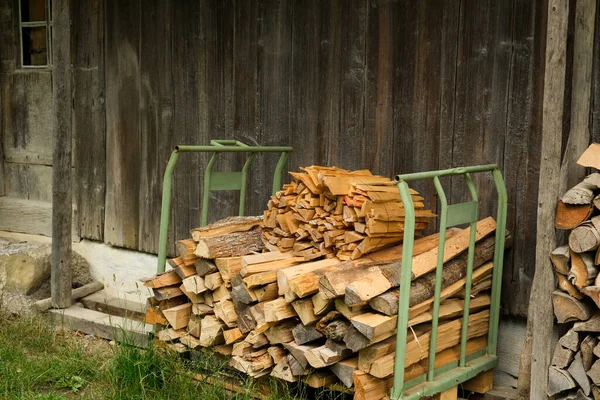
242, 289
575, 367
328, 211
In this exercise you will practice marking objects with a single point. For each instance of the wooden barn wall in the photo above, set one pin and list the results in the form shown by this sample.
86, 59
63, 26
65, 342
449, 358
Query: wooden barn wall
393, 86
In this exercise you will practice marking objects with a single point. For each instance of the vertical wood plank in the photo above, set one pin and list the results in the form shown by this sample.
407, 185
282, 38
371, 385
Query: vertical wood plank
309, 66
60, 280
521, 164
187, 48
156, 116
579, 135
537, 349
346, 143
8, 36
89, 117
377, 138
123, 152
274, 66
595, 95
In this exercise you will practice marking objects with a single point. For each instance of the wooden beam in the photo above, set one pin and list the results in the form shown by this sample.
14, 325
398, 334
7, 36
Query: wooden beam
533, 374
579, 136
61, 159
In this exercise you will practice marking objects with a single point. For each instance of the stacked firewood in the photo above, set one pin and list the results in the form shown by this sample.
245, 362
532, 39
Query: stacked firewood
331, 212
575, 369
321, 322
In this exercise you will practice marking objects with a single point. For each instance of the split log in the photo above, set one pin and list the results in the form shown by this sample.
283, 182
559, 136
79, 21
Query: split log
560, 259
583, 192
594, 373
565, 285
569, 216
204, 266
344, 370
448, 336
167, 293
194, 284
305, 334
283, 371
299, 351
185, 271
591, 325
211, 331
570, 340
270, 261
287, 274
194, 325
328, 354
586, 236
178, 316
213, 281
578, 373
230, 245
336, 330
282, 332
226, 226
587, 351
593, 292
305, 310
569, 309
233, 335
190, 341
225, 311
240, 293
562, 357
559, 381
266, 293
202, 309
228, 267
278, 310
167, 278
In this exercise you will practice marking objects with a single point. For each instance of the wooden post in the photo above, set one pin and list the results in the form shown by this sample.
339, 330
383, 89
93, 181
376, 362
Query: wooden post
537, 350
61, 171
579, 134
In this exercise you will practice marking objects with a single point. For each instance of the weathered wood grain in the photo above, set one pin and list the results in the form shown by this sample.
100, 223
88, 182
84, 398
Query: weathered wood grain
89, 116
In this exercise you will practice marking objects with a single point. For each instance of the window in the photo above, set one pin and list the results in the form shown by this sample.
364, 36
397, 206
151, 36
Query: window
35, 24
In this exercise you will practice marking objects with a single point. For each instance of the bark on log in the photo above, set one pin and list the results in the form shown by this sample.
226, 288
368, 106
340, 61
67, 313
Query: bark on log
585, 237
569, 216
230, 245
583, 192
569, 309
226, 226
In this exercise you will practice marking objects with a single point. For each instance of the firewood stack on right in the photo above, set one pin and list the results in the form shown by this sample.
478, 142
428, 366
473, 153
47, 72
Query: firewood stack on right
575, 367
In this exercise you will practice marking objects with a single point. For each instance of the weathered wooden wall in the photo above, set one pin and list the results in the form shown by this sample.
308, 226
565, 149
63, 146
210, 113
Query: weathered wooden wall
393, 86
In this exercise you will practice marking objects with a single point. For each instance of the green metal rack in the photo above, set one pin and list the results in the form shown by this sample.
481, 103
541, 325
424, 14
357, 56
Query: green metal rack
468, 366
214, 181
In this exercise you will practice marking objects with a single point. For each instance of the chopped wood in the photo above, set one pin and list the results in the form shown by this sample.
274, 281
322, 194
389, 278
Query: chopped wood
240, 293
229, 267
213, 281
170, 334
185, 271
565, 285
226, 226
185, 248
583, 192
578, 373
560, 259
327, 354
204, 266
194, 325
586, 236
285, 275
194, 298
266, 293
336, 330
282, 332
321, 304
194, 284
570, 340
305, 310
344, 370
568, 216
594, 373
211, 331
166, 293
278, 310
562, 357
559, 381
167, 278
283, 371
591, 325
569, 309
233, 335
305, 334
178, 316
299, 351
230, 245
587, 351
202, 309
225, 311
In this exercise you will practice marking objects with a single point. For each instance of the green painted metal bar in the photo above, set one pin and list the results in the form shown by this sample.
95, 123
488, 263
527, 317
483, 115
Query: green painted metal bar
206, 191
453, 377
278, 171
216, 147
469, 279
467, 212
438, 278
445, 172
164, 212
498, 262
405, 278
242, 206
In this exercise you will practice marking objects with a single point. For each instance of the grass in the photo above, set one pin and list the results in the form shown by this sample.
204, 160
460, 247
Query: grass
41, 363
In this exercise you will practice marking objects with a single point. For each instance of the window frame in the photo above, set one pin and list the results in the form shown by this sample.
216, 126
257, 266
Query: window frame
37, 24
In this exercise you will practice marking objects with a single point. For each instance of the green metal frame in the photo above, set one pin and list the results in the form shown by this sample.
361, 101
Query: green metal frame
448, 376
214, 181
